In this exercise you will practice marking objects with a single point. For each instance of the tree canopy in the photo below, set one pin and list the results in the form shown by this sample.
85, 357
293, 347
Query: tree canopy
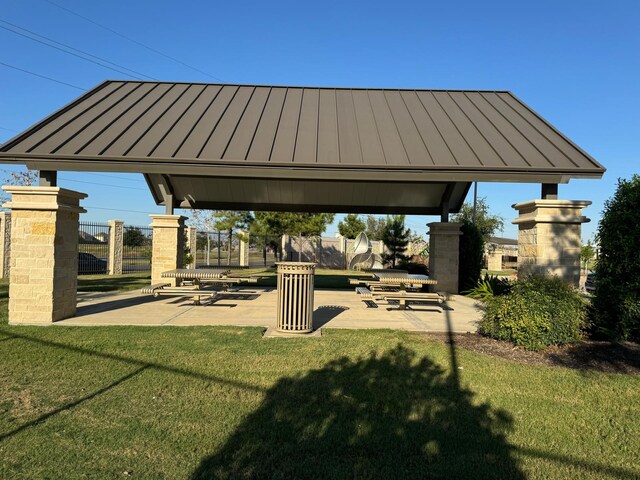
375, 227
351, 226
487, 223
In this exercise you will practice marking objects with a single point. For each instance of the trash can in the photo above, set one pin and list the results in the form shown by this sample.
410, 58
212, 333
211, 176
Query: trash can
295, 296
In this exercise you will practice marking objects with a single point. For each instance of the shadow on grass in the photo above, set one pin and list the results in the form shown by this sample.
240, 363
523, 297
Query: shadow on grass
601, 356
392, 415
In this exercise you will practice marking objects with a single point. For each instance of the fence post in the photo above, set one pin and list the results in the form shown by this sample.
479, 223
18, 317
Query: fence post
244, 248
5, 242
116, 246
192, 244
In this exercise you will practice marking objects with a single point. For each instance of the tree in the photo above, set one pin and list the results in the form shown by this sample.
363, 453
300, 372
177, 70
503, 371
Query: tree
617, 295
294, 224
133, 237
228, 221
471, 253
587, 253
351, 226
375, 227
487, 223
19, 178
396, 239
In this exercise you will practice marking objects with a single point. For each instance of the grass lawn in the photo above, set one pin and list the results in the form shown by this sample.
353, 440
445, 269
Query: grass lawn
221, 402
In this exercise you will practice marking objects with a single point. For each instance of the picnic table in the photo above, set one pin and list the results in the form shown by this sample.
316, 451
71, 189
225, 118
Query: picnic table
196, 282
398, 282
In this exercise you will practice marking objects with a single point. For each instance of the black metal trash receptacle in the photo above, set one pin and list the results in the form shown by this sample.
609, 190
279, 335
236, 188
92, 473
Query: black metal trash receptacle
295, 296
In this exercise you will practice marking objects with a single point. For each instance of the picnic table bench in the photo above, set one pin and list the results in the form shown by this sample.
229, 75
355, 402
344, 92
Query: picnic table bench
197, 282
398, 282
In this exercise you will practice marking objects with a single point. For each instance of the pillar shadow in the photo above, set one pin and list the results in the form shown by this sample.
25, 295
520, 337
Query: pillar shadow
389, 415
323, 315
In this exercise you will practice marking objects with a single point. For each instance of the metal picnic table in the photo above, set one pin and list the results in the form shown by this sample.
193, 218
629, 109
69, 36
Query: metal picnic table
197, 282
400, 280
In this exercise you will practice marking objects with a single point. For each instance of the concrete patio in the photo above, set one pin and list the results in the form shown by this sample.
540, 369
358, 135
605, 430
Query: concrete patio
257, 307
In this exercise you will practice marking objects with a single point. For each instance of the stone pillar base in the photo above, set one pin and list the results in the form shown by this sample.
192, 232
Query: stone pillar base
444, 255
549, 238
168, 246
43, 280
192, 243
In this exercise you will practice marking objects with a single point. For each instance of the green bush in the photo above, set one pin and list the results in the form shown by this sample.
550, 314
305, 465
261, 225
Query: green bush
471, 255
489, 286
617, 296
538, 312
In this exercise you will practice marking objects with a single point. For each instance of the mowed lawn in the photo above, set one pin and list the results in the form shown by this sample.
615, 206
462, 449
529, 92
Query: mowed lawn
216, 402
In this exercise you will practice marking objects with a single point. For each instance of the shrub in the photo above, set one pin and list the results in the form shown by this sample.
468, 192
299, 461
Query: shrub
489, 286
471, 255
538, 312
617, 296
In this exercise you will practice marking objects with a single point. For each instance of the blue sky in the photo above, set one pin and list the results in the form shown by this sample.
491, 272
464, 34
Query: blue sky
577, 63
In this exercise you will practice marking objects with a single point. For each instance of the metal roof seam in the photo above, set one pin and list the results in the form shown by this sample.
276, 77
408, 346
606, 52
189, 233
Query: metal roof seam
535, 147
218, 122
335, 102
275, 133
118, 117
524, 159
152, 124
134, 121
426, 147
295, 140
255, 131
68, 122
539, 132
395, 123
435, 125
355, 117
196, 123
235, 129
477, 129
375, 122
162, 137
94, 119
550, 125
45, 121
457, 127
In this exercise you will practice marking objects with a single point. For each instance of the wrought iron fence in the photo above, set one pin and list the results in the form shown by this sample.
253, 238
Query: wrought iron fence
136, 254
264, 250
93, 248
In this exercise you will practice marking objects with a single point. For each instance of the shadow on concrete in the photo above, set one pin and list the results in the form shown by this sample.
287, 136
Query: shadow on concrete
116, 304
323, 315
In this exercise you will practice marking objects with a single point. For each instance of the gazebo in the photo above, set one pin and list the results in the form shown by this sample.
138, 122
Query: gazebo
346, 150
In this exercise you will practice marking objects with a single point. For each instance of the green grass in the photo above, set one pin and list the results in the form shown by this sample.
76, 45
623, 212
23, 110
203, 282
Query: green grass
221, 402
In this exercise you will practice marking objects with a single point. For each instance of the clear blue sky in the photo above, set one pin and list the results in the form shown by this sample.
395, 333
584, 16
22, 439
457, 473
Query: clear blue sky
575, 62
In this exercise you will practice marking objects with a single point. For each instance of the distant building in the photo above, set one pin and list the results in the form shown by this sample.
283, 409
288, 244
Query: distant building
501, 254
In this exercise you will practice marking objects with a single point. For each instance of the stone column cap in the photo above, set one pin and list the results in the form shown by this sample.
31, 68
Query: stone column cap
115, 222
552, 204
167, 221
52, 198
447, 228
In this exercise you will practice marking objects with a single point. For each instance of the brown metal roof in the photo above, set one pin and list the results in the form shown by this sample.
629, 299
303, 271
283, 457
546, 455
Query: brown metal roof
161, 127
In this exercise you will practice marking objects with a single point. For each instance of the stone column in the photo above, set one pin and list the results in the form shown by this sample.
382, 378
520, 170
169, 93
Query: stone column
550, 237
5, 243
44, 253
192, 242
444, 255
168, 245
244, 248
494, 259
116, 246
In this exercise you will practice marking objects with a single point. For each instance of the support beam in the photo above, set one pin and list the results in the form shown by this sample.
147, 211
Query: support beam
445, 201
549, 191
48, 178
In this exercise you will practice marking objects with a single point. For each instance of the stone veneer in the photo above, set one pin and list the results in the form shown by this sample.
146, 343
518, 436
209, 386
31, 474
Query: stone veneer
44, 253
168, 246
549, 237
192, 242
116, 246
5, 236
444, 255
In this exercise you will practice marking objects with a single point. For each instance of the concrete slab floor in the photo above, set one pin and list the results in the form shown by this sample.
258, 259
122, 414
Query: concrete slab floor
252, 306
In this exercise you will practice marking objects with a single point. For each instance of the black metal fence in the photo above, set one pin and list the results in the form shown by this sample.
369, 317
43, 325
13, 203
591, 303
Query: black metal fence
93, 248
136, 254
217, 249
264, 250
